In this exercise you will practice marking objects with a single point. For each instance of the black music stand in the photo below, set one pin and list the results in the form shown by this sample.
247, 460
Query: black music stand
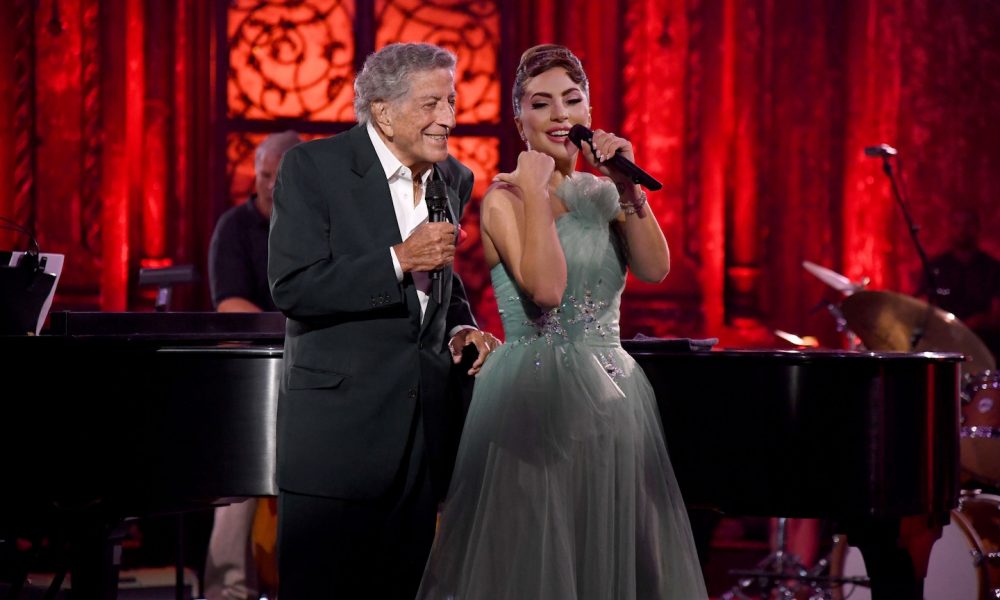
27, 284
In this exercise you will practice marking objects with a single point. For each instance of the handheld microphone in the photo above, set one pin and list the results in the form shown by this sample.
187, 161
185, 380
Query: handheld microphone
578, 134
884, 150
436, 197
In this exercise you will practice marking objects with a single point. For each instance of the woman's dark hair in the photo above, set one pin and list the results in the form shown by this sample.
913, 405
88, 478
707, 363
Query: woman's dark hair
539, 59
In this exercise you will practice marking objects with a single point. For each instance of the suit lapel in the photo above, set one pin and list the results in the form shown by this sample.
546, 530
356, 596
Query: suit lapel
371, 190
453, 203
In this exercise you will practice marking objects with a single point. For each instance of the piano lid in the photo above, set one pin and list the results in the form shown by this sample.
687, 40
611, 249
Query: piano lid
181, 326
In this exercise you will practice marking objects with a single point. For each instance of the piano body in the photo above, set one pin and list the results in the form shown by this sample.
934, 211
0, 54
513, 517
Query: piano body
868, 440
136, 414
133, 414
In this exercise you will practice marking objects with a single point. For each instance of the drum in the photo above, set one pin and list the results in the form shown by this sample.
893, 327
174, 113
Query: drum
264, 545
964, 563
980, 434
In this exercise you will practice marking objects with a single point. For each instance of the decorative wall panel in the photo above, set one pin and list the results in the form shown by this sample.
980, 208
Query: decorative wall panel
469, 28
291, 59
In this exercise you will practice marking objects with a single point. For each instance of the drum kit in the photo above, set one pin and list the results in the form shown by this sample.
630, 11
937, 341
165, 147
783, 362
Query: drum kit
965, 562
889, 321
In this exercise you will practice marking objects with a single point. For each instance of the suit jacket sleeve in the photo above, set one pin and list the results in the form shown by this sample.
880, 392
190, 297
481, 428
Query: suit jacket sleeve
306, 278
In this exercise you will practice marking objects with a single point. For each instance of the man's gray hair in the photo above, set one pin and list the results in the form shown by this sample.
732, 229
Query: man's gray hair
276, 144
386, 74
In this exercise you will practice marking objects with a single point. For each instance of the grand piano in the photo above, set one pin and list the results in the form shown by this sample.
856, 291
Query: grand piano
123, 415
869, 440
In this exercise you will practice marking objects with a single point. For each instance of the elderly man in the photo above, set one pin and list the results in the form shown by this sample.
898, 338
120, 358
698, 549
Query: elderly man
366, 434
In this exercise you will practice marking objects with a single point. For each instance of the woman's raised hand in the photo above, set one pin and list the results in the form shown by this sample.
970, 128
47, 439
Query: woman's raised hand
534, 170
607, 145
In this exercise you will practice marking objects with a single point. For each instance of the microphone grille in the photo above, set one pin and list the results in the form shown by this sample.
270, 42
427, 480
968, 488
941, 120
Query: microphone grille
880, 150
578, 133
436, 194
436, 188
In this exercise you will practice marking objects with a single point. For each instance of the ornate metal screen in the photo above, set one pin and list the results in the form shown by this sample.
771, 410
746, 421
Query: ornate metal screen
291, 60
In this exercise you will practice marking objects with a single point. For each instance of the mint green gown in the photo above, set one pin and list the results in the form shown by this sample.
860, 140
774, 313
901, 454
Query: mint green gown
563, 489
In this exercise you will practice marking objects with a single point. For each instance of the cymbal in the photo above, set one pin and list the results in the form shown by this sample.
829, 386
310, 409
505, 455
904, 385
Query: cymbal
839, 282
795, 340
887, 320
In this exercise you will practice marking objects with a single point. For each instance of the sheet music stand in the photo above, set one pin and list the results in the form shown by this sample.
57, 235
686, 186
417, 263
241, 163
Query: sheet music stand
27, 285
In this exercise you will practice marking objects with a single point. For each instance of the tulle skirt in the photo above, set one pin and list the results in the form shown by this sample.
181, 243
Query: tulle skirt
563, 488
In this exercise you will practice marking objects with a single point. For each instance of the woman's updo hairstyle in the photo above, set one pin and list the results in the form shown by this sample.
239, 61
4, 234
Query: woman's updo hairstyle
541, 58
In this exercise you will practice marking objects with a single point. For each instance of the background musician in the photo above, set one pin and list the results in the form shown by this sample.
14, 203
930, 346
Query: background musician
237, 268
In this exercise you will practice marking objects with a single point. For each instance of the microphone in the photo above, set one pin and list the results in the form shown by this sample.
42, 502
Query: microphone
436, 197
884, 150
578, 133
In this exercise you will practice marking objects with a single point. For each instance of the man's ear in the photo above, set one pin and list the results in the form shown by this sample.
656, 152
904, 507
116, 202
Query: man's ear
381, 117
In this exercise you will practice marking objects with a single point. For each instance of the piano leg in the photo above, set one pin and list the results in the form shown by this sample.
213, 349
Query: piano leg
95, 559
896, 553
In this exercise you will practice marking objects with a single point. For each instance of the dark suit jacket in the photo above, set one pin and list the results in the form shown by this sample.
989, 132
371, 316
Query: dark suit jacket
358, 361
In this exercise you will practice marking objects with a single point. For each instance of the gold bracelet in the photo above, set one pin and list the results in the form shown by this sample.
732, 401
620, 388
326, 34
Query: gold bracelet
631, 208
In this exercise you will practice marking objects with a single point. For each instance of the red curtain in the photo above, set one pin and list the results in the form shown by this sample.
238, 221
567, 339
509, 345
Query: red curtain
754, 114
102, 130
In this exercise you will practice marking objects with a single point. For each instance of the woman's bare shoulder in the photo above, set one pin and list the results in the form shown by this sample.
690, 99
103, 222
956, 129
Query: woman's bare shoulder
502, 199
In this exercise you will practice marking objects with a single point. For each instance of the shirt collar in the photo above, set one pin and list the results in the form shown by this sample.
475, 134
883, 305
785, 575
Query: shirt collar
394, 169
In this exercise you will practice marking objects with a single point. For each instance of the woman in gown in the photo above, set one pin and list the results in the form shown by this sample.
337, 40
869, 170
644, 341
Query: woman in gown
563, 488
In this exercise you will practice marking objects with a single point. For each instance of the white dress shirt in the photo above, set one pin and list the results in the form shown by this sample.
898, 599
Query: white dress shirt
410, 212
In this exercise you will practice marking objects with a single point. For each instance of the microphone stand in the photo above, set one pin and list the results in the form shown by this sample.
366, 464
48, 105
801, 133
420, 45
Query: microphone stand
932, 291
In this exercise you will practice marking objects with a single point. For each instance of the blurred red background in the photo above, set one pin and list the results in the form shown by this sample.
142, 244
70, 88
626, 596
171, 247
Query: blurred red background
127, 127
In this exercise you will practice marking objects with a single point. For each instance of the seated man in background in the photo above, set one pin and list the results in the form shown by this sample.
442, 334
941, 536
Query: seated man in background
967, 280
237, 268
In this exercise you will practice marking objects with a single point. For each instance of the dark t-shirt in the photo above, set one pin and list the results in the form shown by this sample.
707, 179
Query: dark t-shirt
237, 256
967, 288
